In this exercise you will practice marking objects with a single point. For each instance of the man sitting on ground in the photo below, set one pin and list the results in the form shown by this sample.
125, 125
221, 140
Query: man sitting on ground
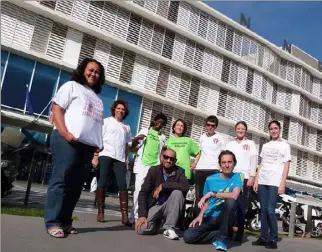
162, 197
218, 206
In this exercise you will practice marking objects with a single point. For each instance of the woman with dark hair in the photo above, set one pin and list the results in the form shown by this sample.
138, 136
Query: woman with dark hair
116, 140
184, 147
77, 113
247, 158
271, 181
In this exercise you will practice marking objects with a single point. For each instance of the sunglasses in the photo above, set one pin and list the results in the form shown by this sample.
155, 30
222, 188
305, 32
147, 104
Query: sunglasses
210, 125
166, 157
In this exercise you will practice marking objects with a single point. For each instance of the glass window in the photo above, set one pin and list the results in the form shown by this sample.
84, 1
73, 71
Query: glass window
134, 102
43, 86
108, 95
64, 77
14, 85
4, 57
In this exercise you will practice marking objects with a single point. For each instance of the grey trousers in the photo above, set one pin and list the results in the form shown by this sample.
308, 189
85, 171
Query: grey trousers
169, 212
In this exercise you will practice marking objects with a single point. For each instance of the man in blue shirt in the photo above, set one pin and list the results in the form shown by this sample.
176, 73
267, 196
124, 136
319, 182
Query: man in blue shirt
218, 205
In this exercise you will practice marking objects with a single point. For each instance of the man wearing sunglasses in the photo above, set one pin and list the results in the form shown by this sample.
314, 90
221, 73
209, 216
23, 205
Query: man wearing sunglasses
211, 144
162, 197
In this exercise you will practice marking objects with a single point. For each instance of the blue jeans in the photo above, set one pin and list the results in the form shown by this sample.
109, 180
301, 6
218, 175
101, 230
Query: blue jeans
268, 199
68, 174
213, 228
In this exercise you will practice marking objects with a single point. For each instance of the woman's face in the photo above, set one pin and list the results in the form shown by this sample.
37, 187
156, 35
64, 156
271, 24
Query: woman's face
274, 131
92, 73
210, 128
179, 128
119, 112
241, 131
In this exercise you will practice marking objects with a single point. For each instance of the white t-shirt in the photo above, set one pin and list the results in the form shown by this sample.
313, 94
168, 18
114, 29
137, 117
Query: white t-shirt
210, 148
274, 154
116, 135
83, 112
243, 151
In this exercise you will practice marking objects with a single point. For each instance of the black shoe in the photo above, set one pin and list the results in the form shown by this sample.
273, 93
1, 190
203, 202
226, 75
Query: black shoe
238, 238
259, 242
271, 245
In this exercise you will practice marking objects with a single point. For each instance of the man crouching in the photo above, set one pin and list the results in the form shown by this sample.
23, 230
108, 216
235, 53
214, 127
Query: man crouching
162, 197
218, 206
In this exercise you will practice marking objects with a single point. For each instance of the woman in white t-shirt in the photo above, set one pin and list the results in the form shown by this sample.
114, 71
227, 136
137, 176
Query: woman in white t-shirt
77, 113
271, 181
116, 140
211, 144
247, 156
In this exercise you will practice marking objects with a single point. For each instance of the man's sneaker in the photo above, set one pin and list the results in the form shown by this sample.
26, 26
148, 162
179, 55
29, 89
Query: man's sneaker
259, 242
271, 245
170, 234
219, 245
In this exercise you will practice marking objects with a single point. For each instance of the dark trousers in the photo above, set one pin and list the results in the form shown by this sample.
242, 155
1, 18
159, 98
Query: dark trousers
268, 199
107, 166
65, 184
213, 228
200, 179
242, 203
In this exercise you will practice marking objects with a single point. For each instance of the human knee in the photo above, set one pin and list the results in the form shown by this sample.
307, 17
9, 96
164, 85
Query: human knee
177, 194
230, 204
270, 211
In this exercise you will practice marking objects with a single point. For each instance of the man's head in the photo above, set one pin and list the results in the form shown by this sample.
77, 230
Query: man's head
159, 121
227, 162
168, 159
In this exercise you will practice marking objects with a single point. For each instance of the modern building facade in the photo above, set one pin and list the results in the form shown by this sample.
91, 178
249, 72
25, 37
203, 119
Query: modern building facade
181, 58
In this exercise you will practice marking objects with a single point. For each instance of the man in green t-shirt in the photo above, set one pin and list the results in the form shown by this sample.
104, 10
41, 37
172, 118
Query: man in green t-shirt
148, 154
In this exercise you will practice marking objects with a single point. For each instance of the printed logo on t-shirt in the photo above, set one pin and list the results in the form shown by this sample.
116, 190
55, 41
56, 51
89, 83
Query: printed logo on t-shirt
124, 128
246, 147
93, 108
271, 155
215, 140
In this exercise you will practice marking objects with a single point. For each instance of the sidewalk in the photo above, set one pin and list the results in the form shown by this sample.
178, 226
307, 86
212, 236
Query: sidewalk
28, 234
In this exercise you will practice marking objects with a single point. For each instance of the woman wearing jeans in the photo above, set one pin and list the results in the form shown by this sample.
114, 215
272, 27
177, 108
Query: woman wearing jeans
77, 113
270, 181
116, 139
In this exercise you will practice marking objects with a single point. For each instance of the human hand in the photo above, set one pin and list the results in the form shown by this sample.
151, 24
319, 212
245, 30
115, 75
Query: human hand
193, 166
139, 223
204, 199
250, 181
281, 189
255, 187
70, 138
196, 221
95, 162
157, 192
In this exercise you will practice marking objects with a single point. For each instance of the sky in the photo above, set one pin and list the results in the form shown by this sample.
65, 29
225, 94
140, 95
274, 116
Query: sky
300, 23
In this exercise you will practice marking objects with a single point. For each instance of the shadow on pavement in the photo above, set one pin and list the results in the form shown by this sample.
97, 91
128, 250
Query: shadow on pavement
101, 229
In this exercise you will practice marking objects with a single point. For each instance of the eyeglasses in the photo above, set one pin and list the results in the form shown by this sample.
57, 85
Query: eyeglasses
166, 157
210, 125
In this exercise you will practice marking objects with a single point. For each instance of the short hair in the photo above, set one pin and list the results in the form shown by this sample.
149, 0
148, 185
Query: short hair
242, 123
78, 75
126, 108
169, 149
227, 152
184, 126
161, 116
212, 119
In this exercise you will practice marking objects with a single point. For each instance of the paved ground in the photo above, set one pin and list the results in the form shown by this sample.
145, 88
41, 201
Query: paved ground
28, 234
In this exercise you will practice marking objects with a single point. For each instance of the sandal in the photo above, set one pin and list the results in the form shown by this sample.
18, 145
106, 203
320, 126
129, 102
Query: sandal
70, 229
56, 232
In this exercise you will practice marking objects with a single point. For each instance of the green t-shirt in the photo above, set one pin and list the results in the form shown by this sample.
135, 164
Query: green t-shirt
184, 147
151, 149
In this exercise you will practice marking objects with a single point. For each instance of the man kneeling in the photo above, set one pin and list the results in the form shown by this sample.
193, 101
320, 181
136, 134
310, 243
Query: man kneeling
218, 205
162, 197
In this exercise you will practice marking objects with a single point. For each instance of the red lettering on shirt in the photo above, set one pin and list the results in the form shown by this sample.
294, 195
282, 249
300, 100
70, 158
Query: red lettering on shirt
246, 147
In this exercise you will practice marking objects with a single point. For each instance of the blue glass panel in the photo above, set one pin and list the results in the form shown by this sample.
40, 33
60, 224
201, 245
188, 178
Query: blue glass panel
43, 86
34, 137
64, 77
134, 102
108, 95
18, 74
4, 56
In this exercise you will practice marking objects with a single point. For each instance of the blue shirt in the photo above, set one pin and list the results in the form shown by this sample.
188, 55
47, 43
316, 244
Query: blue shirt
162, 197
215, 183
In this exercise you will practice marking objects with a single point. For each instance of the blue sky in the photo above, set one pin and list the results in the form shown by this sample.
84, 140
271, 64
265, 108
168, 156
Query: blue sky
300, 23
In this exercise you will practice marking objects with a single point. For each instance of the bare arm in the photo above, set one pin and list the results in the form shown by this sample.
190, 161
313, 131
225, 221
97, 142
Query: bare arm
227, 195
282, 186
194, 164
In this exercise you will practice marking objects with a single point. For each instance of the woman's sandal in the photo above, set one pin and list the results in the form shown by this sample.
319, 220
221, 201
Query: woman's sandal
56, 232
70, 230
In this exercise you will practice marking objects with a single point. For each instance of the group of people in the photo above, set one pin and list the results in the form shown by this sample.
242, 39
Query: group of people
222, 172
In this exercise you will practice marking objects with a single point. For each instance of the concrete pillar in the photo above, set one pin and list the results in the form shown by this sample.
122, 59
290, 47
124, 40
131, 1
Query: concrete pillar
292, 220
308, 227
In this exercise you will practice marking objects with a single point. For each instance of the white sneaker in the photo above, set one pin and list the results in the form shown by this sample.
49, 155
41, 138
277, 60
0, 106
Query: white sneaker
170, 234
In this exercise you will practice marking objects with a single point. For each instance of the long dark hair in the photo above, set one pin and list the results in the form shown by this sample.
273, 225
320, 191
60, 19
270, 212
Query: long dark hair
78, 75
